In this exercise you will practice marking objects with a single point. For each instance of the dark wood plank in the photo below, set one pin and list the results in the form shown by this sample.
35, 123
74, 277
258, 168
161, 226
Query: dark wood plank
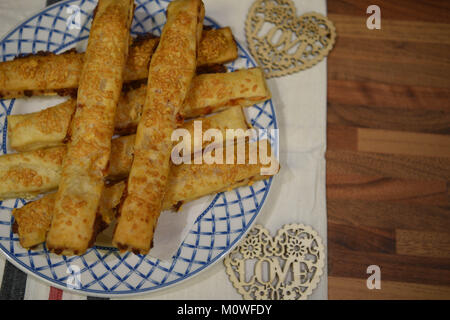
356, 289
342, 162
388, 215
403, 143
417, 10
362, 238
423, 243
387, 141
379, 95
396, 30
432, 75
342, 138
394, 267
401, 53
417, 54
414, 120
342, 187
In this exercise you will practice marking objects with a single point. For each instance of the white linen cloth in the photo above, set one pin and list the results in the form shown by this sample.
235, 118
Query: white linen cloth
298, 192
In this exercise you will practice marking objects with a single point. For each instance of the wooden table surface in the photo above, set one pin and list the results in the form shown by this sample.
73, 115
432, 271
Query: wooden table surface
388, 158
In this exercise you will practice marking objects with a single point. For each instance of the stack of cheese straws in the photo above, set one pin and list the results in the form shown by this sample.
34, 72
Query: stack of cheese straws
69, 148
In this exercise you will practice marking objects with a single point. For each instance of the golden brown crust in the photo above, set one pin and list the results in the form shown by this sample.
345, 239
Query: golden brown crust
27, 174
171, 70
45, 128
208, 93
186, 182
22, 77
30, 173
92, 127
217, 47
212, 92
110, 201
232, 118
122, 151
139, 58
191, 181
129, 110
52, 74
218, 91
33, 220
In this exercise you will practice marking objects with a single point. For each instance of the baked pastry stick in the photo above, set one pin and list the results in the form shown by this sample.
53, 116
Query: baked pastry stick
25, 175
92, 127
212, 92
44, 73
123, 147
28, 174
47, 73
170, 74
49, 127
42, 129
33, 220
186, 183
215, 47
208, 93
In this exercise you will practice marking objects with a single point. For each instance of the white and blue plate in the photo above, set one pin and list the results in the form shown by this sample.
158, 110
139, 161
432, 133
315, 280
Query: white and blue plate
223, 221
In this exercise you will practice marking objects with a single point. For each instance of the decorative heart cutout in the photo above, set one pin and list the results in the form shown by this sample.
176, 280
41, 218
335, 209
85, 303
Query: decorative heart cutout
284, 43
286, 267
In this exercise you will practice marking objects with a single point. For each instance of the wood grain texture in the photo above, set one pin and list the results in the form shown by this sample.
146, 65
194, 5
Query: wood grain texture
341, 162
388, 215
388, 141
423, 10
380, 95
396, 267
353, 288
423, 243
354, 27
362, 238
388, 157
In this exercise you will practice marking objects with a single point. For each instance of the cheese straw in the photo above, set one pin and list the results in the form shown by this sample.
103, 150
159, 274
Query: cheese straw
186, 182
85, 164
208, 93
46, 73
170, 75
33, 220
27, 174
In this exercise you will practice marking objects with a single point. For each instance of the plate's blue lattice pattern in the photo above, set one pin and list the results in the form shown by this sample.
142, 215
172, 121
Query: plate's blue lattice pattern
104, 271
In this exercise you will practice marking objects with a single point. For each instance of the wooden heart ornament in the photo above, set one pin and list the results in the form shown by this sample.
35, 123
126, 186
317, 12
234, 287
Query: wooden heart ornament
284, 43
285, 267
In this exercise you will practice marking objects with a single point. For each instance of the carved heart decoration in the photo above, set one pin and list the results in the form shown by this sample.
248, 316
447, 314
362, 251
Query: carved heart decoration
286, 267
284, 43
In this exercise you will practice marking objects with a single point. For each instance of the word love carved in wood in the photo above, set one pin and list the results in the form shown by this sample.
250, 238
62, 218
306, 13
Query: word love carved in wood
284, 43
286, 267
